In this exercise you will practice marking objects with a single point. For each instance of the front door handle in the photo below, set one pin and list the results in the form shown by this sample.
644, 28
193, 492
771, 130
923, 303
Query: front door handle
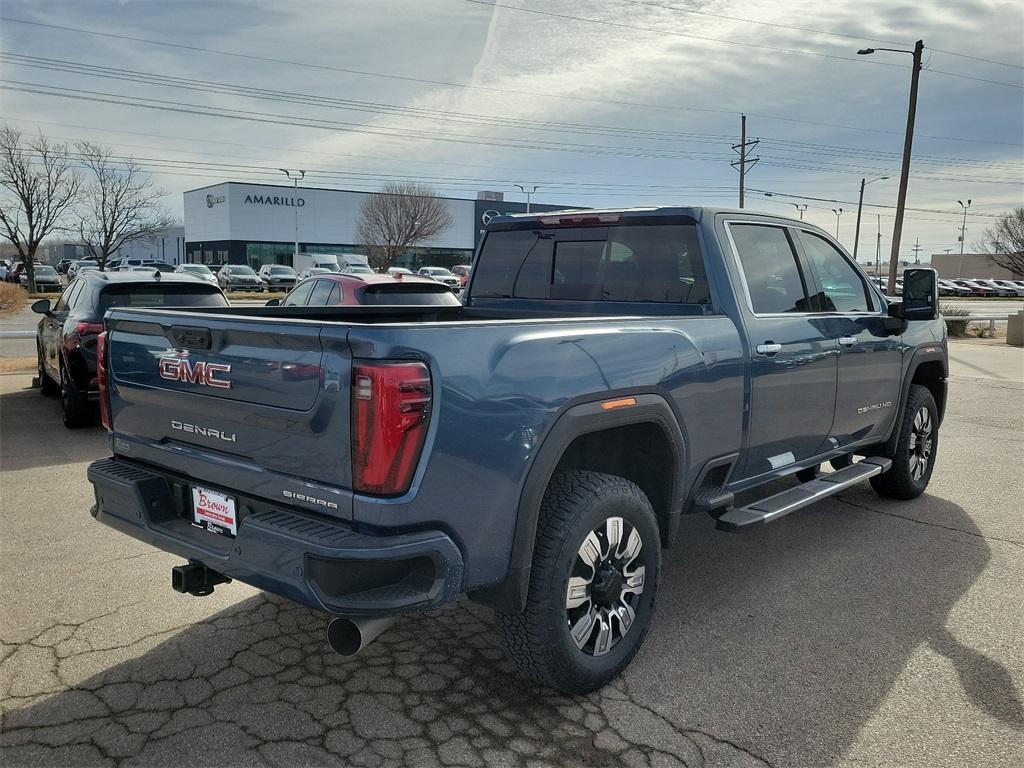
768, 348
847, 341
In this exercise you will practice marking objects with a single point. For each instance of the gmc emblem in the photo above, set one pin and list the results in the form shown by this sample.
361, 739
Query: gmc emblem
182, 369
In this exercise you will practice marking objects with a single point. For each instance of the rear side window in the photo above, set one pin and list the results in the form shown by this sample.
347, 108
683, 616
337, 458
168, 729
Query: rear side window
842, 289
770, 269
321, 293
155, 295
635, 263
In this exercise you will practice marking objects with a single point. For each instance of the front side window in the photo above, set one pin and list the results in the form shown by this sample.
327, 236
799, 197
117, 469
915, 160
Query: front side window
297, 298
842, 289
770, 269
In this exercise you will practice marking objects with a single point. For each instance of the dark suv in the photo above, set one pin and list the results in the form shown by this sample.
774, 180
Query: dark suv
239, 277
67, 334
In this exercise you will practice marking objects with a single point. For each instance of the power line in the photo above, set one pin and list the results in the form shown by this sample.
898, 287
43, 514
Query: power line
493, 89
419, 113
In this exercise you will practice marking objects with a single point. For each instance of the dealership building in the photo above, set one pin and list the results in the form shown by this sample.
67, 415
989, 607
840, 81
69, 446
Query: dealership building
256, 224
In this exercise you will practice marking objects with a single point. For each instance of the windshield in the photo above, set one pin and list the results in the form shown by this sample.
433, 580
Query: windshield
161, 295
200, 269
44, 271
439, 271
359, 270
242, 270
282, 270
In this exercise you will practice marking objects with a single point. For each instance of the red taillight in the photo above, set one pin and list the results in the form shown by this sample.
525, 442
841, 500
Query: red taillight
101, 379
88, 329
390, 413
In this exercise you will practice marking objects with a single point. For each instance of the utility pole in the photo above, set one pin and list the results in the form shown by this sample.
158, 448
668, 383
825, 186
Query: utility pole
963, 236
860, 205
528, 192
745, 163
917, 250
295, 179
901, 201
838, 212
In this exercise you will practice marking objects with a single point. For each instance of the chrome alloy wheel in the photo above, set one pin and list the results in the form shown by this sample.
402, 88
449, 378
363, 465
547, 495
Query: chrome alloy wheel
604, 587
920, 443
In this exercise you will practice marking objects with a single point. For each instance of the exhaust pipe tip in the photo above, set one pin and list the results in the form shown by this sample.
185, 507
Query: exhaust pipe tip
347, 637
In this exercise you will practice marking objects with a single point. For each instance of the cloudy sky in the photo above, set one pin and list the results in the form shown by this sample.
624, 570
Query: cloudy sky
598, 102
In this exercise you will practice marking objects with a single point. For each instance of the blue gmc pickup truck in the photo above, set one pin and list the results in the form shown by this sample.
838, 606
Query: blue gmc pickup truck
534, 448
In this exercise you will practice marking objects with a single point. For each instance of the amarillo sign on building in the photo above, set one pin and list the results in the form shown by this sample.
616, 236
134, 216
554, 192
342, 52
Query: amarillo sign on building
240, 223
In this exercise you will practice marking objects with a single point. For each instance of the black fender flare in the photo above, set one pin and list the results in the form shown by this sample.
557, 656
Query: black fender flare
576, 419
924, 354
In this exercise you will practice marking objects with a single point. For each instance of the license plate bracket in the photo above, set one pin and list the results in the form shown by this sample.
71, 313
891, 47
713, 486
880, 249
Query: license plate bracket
214, 511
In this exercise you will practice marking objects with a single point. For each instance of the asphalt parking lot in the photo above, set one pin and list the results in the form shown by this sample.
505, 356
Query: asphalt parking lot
857, 632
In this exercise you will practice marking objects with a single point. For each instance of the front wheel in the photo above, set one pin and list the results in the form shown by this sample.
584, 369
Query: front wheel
912, 449
593, 580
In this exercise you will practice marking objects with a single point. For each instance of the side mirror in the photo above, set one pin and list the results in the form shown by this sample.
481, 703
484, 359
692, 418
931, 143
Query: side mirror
42, 307
920, 294
273, 303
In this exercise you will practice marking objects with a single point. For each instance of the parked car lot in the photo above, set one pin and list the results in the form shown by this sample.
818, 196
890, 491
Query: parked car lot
239, 277
905, 634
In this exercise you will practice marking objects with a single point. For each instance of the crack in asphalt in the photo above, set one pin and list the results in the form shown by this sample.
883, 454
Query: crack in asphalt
257, 684
982, 536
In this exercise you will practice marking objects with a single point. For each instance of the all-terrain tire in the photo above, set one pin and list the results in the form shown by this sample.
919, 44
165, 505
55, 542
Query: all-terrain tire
916, 439
538, 642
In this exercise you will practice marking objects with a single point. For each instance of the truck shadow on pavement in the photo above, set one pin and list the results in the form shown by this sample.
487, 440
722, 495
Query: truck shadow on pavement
33, 435
773, 648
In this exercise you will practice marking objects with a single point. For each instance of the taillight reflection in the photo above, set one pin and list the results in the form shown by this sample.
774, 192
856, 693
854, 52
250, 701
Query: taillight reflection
390, 415
101, 380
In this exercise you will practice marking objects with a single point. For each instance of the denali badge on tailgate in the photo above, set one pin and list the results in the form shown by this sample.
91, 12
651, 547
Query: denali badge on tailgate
179, 368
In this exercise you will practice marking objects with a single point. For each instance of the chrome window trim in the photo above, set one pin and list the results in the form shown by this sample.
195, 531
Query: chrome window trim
743, 275
872, 288
746, 289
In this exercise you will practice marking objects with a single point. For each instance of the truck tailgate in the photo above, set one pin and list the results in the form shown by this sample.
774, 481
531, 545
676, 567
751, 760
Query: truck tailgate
261, 406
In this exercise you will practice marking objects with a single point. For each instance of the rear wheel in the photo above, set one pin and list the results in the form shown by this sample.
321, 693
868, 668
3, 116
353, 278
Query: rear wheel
912, 448
592, 586
74, 410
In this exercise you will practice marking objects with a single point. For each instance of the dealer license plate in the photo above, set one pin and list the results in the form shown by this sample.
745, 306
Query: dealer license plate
214, 511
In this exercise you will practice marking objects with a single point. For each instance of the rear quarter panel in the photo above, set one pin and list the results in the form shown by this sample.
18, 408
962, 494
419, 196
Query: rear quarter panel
499, 386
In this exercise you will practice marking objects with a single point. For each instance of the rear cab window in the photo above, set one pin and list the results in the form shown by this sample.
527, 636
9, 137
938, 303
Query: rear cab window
772, 277
634, 261
160, 295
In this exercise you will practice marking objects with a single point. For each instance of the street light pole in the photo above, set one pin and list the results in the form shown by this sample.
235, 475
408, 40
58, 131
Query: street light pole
860, 205
908, 142
528, 192
960, 272
838, 212
299, 175
800, 208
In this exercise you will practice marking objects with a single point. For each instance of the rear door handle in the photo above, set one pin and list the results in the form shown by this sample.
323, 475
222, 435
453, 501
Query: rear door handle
768, 348
847, 341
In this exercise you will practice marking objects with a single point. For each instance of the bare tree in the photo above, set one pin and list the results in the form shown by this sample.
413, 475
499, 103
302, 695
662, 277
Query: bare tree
119, 203
1003, 242
38, 186
400, 216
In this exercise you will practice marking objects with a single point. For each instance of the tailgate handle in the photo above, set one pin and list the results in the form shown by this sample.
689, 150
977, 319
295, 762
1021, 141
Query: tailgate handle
184, 337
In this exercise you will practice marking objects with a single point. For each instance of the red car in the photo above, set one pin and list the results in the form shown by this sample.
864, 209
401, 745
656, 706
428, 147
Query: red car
351, 289
462, 271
